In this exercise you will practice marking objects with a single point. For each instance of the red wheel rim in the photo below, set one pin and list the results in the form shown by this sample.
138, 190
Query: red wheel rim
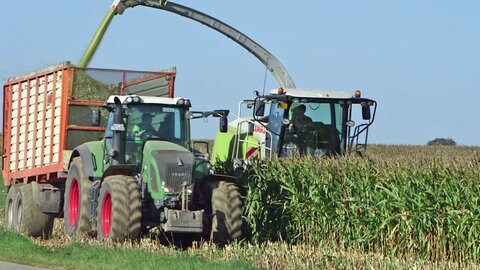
73, 202
106, 214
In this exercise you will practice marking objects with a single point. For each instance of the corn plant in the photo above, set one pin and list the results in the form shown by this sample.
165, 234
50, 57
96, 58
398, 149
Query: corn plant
421, 200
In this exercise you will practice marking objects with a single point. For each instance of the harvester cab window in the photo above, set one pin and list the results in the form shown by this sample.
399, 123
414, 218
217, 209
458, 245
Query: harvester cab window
275, 121
314, 129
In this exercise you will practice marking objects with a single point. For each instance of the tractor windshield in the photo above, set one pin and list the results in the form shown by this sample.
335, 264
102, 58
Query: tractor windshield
316, 128
154, 122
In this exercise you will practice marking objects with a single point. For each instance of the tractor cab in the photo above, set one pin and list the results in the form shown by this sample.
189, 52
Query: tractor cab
145, 119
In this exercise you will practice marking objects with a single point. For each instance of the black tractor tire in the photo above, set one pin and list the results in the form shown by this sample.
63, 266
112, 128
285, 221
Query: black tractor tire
75, 208
224, 218
113, 210
29, 217
135, 211
10, 215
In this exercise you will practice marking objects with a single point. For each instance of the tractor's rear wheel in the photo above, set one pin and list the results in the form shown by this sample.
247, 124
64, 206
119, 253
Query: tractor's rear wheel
118, 211
75, 208
224, 218
28, 216
10, 215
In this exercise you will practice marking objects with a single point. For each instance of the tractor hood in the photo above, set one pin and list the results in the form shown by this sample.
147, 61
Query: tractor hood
166, 167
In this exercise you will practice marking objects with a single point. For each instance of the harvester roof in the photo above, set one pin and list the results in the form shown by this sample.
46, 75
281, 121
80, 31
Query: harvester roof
306, 93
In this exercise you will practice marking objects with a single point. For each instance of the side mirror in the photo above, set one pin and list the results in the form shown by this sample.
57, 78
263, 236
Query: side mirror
259, 107
223, 124
96, 117
366, 112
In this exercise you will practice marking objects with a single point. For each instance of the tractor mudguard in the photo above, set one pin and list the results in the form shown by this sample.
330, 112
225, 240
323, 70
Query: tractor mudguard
218, 178
122, 169
91, 154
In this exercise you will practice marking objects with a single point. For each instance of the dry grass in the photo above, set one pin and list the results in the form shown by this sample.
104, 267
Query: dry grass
279, 255
269, 255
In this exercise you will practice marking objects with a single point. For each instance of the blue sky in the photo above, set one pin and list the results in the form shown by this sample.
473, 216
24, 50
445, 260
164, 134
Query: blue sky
419, 59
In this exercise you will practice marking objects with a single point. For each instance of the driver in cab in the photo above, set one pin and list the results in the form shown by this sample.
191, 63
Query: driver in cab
299, 120
299, 127
142, 130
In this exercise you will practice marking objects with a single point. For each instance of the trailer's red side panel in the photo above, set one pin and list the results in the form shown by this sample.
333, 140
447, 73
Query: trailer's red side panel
48, 113
34, 122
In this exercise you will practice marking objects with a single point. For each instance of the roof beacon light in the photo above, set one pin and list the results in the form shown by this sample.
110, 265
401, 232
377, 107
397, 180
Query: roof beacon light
133, 99
184, 102
281, 91
358, 93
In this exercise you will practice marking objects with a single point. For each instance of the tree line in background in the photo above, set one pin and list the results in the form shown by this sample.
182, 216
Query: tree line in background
442, 141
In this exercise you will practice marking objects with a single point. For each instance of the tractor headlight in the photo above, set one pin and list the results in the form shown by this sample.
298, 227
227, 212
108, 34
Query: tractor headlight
166, 188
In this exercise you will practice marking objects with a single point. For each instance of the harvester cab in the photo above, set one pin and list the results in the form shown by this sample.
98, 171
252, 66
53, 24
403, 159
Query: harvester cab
299, 122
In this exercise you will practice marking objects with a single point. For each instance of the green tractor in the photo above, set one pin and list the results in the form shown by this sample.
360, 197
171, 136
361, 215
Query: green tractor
145, 174
300, 123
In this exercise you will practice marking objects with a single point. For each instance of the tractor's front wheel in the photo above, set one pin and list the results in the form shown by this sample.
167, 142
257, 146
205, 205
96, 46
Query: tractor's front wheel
224, 218
75, 208
119, 209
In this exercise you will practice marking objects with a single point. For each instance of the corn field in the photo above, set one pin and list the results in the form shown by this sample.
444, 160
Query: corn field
397, 200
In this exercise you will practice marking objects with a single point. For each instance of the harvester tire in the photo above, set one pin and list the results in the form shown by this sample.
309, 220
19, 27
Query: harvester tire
10, 215
113, 209
225, 215
75, 208
29, 217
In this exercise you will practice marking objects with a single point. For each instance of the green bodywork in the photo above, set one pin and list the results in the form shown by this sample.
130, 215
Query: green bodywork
150, 165
224, 147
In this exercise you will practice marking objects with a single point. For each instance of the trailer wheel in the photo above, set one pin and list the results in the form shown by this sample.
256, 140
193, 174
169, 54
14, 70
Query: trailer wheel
113, 209
225, 215
10, 215
28, 216
75, 208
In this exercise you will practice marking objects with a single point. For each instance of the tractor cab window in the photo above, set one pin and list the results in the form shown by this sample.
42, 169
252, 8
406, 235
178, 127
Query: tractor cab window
109, 133
154, 122
315, 129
